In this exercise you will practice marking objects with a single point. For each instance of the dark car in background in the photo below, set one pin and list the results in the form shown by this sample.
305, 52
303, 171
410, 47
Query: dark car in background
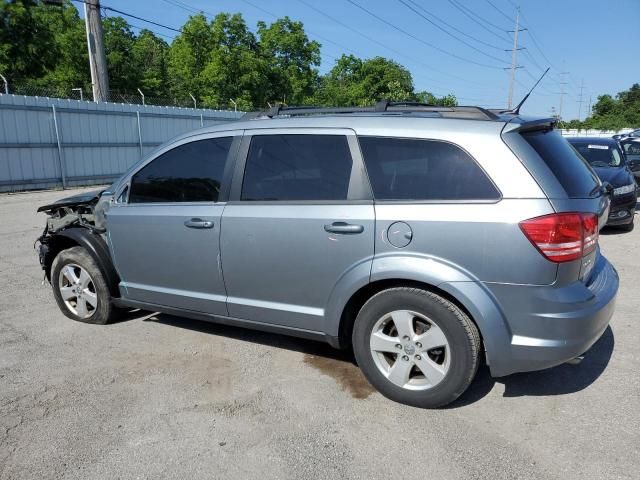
631, 148
607, 158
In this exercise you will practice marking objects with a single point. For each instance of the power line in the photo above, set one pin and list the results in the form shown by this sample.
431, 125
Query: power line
418, 39
473, 19
456, 29
511, 20
448, 32
412, 59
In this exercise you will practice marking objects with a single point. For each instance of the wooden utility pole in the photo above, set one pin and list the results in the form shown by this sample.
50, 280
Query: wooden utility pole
97, 57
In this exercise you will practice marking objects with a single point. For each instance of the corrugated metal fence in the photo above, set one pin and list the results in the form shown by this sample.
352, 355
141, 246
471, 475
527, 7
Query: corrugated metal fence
47, 142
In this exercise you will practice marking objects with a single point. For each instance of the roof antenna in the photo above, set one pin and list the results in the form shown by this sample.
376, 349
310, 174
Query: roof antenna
517, 109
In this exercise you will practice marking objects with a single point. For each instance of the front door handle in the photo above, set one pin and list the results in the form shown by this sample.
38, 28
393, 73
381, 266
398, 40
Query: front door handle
198, 223
342, 227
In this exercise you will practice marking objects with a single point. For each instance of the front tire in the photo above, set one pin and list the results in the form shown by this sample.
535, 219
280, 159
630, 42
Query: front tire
416, 347
80, 288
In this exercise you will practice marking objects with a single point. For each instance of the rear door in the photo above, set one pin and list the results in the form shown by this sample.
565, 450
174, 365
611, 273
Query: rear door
300, 217
164, 228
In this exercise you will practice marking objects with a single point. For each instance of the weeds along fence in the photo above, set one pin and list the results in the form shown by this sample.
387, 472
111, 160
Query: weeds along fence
50, 143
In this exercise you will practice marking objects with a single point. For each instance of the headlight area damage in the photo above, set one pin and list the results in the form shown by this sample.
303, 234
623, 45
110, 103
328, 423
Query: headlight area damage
72, 221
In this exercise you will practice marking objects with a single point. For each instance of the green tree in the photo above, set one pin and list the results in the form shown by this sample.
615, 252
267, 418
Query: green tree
149, 54
188, 55
71, 68
614, 113
124, 76
353, 81
25, 41
235, 69
291, 59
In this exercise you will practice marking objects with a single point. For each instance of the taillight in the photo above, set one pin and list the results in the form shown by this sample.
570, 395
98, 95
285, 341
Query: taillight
563, 237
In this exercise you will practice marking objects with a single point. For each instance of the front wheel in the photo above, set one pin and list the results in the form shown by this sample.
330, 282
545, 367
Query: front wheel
80, 288
416, 347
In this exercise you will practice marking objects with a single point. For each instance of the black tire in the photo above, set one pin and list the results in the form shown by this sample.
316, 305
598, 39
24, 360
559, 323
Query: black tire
628, 227
104, 311
460, 331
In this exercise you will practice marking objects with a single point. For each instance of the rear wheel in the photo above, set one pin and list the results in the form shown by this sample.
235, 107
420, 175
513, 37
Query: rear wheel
80, 288
416, 347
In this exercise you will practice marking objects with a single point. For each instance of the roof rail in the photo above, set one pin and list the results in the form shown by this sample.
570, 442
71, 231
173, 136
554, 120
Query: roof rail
383, 106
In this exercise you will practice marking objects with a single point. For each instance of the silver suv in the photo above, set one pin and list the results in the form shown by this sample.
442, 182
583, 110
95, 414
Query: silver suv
424, 238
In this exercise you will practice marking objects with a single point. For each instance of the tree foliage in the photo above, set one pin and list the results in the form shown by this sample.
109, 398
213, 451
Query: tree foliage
613, 113
218, 61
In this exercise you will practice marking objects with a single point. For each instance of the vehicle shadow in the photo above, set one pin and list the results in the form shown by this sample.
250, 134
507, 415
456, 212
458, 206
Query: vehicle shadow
341, 365
285, 342
561, 380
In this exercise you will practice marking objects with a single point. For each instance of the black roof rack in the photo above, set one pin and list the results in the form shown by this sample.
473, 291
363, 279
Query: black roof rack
383, 106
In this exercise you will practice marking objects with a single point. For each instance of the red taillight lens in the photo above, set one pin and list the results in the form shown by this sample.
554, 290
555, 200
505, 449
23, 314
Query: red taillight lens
563, 237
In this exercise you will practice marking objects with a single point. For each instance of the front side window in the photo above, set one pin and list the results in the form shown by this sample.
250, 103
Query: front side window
297, 167
416, 169
191, 172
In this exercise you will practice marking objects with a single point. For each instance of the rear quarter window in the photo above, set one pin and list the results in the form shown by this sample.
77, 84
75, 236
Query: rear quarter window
417, 169
571, 170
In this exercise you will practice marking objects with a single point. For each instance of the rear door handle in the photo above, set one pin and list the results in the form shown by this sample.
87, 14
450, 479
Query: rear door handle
198, 223
342, 227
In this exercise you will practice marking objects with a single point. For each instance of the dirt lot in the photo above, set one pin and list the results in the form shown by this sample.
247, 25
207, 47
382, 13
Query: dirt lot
164, 397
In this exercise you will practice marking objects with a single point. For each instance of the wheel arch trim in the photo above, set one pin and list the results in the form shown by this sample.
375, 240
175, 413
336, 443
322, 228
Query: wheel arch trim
96, 247
434, 274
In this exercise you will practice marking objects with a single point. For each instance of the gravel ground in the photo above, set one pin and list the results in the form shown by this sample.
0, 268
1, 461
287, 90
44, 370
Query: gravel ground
156, 396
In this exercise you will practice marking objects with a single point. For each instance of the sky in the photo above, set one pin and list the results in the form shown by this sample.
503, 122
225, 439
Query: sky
592, 41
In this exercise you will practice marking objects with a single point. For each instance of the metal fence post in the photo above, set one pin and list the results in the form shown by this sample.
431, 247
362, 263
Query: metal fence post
63, 173
201, 120
139, 134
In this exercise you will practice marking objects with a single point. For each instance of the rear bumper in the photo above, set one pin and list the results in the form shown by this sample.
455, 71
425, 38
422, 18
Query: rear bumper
550, 325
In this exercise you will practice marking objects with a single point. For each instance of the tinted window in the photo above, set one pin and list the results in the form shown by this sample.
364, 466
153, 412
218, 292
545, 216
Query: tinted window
189, 173
412, 169
572, 171
297, 167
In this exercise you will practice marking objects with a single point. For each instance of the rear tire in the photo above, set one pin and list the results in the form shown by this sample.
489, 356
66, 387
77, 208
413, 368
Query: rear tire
416, 347
80, 288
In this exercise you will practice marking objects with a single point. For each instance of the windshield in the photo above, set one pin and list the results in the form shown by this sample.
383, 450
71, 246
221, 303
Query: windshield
599, 155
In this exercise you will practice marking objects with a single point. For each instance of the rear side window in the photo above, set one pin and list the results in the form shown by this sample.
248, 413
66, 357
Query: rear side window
297, 167
188, 173
415, 169
572, 171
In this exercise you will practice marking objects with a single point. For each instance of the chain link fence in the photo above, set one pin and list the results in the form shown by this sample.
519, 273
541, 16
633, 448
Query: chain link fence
114, 96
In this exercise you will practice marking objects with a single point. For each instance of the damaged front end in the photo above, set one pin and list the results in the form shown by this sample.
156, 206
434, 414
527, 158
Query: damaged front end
85, 211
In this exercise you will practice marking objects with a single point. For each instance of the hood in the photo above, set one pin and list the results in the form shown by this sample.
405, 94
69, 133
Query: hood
616, 176
81, 199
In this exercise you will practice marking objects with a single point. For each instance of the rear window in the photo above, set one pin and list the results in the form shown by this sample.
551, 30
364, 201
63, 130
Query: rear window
572, 171
415, 169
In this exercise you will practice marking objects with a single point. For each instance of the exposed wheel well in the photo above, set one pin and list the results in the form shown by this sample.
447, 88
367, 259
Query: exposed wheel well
92, 243
358, 299
56, 244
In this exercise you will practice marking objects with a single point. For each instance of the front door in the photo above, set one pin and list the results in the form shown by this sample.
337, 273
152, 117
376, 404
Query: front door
298, 220
164, 230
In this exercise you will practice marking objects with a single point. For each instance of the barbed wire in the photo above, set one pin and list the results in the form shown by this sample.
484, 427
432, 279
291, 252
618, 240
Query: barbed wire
113, 96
